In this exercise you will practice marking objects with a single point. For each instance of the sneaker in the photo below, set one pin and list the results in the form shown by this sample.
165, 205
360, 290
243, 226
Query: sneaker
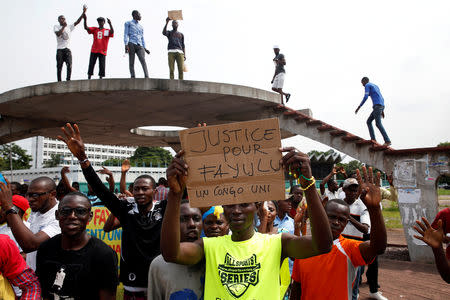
387, 144
377, 295
287, 97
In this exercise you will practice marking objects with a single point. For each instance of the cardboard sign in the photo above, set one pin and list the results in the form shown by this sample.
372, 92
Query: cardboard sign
175, 14
234, 163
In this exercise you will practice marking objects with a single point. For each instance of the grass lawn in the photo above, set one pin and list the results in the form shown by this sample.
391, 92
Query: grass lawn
391, 215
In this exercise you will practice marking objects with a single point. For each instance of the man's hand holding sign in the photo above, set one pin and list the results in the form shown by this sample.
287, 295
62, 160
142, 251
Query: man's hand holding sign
239, 156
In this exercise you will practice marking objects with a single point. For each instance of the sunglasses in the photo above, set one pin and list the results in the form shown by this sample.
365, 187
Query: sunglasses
79, 211
36, 195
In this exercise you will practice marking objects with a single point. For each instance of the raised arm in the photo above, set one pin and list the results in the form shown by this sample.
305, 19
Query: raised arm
325, 180
111, 30
65, 181
75, 144
83, 14
187, 253
123, 178
434, 238
85, 23
164, 32
109, 178
371, 196
27, 240
321, 240
362, 227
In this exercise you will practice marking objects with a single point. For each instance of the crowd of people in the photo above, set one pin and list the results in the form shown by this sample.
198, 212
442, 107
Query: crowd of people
170, 250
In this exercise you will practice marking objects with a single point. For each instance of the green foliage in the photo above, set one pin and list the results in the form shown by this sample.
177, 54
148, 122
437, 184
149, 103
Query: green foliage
145, 157
20, 158
349, 167
443, 144
315, 152
54, 161
151, 155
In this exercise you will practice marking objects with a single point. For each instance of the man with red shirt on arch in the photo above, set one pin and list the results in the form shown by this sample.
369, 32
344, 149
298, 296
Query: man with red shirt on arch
99, 46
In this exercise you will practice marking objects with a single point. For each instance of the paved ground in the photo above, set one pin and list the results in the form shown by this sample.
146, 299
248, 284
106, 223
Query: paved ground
407, 280
396, 236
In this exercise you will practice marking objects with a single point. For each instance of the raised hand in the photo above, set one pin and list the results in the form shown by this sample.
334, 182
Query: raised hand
432, 237
5, 195
65, 170
296, 160
177, 173
370, 190
167, 20
105, 171
109, 21
126, 166
73, 141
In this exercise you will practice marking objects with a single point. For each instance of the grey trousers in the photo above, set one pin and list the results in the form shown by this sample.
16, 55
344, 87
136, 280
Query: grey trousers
139, 50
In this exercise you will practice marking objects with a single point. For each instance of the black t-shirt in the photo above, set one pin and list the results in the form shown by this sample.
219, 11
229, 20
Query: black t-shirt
176, 40
279, 67
140, 236
84, 272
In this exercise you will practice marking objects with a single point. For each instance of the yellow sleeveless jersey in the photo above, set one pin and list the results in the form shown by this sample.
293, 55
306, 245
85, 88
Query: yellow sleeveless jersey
243, 270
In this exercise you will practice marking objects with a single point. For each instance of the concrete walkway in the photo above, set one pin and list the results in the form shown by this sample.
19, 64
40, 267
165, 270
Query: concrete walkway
408, 280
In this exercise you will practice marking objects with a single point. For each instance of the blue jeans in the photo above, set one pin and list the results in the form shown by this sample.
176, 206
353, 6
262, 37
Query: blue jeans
376, 115
355, 290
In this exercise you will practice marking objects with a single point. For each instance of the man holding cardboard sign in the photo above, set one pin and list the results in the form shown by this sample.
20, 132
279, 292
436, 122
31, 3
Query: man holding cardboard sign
175, 48
246, 264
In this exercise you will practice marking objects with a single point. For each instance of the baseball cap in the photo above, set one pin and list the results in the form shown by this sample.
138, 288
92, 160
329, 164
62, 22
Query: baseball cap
20, 202
350, 181
276, 47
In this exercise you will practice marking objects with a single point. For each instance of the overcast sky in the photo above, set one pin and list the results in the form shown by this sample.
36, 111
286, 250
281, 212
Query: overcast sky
402, 46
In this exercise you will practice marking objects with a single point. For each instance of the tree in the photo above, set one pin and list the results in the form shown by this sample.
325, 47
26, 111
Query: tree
443, 144
20, 158
54, 161
151, 155
144, 157
350, 167
315, 152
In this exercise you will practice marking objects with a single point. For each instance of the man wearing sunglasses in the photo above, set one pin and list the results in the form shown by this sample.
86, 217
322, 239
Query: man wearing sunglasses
41, 196
73, 264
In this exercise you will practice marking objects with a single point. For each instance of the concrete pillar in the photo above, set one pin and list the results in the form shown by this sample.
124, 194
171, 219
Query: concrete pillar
415, 179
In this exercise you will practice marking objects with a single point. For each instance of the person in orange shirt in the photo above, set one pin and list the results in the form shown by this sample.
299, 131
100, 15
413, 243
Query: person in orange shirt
331, 275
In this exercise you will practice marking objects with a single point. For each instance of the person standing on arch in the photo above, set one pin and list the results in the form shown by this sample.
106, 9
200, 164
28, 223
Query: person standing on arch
101, 37
175, 48
63, 53
373, 91
134, 43
278, 77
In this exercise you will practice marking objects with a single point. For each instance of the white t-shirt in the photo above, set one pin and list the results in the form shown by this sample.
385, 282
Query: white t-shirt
358, 211
4, 229
46, 223
63, 40
330, 194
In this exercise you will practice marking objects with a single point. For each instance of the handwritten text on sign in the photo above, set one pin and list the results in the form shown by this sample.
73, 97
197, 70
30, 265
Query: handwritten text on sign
233, 163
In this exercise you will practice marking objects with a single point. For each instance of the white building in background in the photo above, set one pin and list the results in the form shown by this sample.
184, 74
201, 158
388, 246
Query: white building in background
42, 148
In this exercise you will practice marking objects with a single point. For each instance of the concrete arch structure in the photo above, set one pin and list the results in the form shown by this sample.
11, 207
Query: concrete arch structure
110, 111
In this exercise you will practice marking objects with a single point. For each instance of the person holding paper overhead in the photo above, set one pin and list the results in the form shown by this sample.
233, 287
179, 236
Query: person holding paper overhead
175, 48
246, 264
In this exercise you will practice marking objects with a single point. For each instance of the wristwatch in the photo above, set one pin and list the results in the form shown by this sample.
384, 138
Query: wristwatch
12, 210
